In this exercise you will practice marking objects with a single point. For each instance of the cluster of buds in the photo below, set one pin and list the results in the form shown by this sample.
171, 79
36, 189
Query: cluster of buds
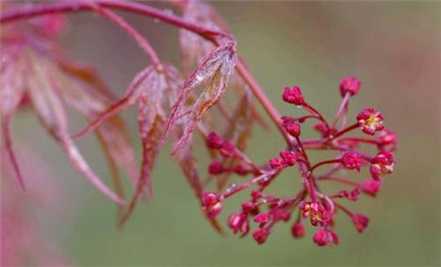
227, 151
285, 159
212, 204
319, 208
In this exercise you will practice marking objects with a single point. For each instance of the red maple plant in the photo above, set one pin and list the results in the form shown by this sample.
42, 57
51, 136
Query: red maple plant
175, 104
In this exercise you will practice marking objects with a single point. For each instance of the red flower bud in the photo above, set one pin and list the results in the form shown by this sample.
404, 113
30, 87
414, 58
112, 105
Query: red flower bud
262, 217
371, 186
250, 208
261, 235
238, 223
293, 95
387, 137
255, 195
289, 157
281, 215
276, 163
323, 237
214, 141
211, 204
209, 198
351, 160
360, 221
241, 169
298, 230
292, 127
215, 168
227, 149
349, 85
352, 195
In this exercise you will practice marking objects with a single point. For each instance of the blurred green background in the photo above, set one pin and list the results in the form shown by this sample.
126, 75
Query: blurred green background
393, 47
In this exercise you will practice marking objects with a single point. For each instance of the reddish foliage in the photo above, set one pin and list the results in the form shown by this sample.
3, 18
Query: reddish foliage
171, 107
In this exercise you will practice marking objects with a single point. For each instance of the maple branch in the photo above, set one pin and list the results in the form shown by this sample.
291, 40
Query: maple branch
29, 11
26, 12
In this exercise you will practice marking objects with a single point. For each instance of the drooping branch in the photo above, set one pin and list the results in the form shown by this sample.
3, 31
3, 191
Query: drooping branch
26, 12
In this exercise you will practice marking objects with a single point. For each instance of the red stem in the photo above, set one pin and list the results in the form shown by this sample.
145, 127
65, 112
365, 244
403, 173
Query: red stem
344, 209
231, 191
323, 163
345, 130
357, 139
300, 144
342, 109
315, 111
338, 179
304, 118
310, 187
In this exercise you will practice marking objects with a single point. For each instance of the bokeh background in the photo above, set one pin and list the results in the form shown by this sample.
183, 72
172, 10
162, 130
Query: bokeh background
395, 49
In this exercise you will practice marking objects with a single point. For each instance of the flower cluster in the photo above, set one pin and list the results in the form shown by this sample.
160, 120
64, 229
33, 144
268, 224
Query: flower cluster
311, 204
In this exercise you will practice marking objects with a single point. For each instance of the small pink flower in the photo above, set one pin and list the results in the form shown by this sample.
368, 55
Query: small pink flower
351, 160
298, 230
323, 237
370, 121
261, 235
360, 221
289, 157
349, 85
371, 186
293, 95
382, 164
316, 212
276, 163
